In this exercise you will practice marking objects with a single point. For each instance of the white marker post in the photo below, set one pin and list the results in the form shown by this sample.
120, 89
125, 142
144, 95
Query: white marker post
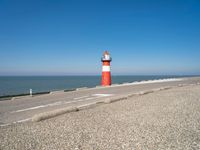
31, 92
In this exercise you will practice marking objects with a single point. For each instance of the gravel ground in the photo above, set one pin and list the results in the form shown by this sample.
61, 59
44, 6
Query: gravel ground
162, 120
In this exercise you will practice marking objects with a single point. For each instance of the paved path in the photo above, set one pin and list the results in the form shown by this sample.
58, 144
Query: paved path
23, 108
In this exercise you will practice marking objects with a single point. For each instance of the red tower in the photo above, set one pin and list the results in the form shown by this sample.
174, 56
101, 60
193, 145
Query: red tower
106, 76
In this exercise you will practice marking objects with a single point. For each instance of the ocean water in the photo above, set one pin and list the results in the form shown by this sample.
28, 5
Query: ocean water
13, 85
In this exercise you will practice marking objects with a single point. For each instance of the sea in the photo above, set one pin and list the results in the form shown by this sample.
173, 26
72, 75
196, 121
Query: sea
16, 85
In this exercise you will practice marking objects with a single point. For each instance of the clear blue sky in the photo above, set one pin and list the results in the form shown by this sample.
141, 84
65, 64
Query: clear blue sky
68, 37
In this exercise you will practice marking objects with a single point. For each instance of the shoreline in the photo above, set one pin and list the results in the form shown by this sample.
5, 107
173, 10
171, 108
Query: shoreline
10, 97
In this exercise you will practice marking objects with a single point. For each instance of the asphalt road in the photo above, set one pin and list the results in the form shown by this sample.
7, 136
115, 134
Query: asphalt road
23, 108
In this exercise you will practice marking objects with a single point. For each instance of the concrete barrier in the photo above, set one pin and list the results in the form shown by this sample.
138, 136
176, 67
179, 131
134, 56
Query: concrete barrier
140, 93
100, 102
118, 98
130, 95
115, 99
135, 94
87, 106
147, 92
54, 113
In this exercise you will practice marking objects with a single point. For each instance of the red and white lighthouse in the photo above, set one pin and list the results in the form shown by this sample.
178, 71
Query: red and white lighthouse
106, 76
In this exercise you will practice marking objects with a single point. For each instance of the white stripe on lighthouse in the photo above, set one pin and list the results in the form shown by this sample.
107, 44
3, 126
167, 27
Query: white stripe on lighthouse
106, 68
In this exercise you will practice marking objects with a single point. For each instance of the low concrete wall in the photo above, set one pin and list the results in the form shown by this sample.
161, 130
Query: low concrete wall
54, 113
87, 106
